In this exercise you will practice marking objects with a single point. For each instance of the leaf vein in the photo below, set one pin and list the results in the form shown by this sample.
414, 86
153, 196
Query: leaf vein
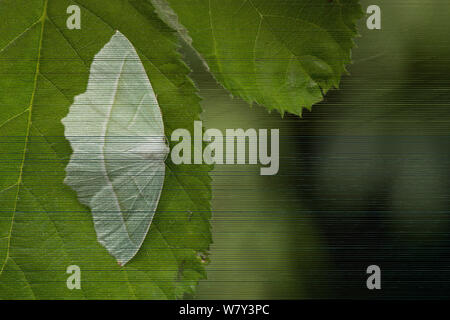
19, 180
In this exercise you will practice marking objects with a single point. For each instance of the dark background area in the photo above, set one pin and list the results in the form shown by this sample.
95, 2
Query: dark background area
364, 178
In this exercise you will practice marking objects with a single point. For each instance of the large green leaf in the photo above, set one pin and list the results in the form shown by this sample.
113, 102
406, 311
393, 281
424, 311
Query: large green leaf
43, 227
282, 54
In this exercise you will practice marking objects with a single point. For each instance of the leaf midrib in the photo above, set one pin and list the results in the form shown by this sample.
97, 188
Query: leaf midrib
42, 20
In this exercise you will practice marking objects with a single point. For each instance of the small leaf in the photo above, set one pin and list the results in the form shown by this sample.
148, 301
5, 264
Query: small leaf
116, 132
282, 54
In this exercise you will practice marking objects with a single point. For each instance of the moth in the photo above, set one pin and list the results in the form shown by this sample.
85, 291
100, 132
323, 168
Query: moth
116, 132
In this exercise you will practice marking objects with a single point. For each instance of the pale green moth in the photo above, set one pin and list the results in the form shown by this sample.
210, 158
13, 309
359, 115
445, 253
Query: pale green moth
116, 132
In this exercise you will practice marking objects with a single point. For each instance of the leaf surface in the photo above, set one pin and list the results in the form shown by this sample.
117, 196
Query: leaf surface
43, 227
282, 54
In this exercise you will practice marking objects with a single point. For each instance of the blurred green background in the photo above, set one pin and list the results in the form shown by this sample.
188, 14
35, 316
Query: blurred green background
363, 178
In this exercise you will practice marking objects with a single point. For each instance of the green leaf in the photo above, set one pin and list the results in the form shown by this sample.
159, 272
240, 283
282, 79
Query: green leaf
282, 54
43, 227
116, 132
